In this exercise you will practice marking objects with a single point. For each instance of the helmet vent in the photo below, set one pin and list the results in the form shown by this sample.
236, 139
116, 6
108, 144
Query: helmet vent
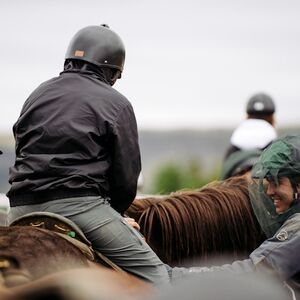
258, 106
79, 53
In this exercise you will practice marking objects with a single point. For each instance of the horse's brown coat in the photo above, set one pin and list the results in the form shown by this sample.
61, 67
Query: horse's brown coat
55, 267
39, 251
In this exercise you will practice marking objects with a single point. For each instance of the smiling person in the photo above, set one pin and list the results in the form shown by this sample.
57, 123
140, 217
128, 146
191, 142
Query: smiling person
275, 198
275, 192
282, 194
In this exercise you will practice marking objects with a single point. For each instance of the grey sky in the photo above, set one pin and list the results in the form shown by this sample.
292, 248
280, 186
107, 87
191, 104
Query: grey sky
188, 64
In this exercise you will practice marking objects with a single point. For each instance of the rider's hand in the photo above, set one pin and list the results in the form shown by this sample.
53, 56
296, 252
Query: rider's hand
132, 222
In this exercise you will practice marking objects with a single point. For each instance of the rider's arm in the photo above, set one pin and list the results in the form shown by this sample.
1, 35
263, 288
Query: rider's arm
281, 252
126, 161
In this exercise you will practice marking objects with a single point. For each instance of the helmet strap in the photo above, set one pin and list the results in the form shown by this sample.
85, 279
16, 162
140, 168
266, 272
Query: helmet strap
116, 74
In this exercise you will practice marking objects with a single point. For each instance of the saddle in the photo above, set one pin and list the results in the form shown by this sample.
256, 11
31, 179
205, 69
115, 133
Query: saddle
68, 230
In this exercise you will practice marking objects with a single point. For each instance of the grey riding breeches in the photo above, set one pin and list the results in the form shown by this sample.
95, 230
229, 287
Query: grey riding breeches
108, 232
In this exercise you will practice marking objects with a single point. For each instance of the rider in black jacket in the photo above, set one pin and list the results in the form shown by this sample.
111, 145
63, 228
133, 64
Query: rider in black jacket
77, 151
76, 136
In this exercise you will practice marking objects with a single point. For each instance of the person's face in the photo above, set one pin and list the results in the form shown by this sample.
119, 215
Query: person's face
281, 194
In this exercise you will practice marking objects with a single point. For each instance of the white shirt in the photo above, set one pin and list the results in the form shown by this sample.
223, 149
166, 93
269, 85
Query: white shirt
252, 134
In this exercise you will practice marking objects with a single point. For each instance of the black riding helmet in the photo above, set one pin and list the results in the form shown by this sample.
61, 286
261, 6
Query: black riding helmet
260, 104
98, 45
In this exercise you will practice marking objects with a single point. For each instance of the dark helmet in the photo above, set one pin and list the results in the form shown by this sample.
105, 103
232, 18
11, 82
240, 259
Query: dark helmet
260, 104
98, 45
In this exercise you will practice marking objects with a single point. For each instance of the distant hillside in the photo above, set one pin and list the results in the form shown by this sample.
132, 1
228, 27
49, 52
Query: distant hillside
157, 148
204, 147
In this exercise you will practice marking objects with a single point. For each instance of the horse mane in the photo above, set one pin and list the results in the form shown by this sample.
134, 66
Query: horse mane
216, 220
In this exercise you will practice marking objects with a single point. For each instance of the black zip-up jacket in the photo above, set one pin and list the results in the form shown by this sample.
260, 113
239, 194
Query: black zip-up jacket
76, 136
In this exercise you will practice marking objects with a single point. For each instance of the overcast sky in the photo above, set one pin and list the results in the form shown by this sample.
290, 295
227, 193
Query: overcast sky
189, 64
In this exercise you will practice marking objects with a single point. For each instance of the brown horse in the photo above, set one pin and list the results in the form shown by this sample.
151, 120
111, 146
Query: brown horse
34, 261
192, 227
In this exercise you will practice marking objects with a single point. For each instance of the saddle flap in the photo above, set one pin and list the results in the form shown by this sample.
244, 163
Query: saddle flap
68, 230
53, 222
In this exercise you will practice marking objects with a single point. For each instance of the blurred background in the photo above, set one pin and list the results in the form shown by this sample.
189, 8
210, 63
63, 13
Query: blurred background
190, 68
